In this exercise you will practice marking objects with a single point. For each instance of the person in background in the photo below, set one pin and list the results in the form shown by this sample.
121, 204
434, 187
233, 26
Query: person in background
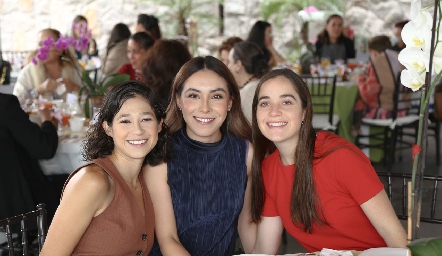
137, 49
164, 60
106, 208
22, 182
248, 64
377, 86
47, 76
226, 46
201, 196
148, 24
261, 34
399, 45
309, 182
79, 29
332, 43
116, 50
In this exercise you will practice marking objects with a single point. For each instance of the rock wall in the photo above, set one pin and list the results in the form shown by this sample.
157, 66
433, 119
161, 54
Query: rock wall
20, 20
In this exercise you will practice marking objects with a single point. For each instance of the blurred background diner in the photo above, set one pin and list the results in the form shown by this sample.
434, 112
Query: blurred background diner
137, 49
116, 50
148, 24
226, 46
80, 30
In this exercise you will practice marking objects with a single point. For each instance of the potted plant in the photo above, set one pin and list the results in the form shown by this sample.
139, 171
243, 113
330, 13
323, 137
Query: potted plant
96, 91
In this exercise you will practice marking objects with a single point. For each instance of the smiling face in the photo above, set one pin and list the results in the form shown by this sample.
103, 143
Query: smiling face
134, 130
136, 54
279, 112
334, 28
204, 102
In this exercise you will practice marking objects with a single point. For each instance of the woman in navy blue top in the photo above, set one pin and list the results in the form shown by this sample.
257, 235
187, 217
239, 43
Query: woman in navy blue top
201, 197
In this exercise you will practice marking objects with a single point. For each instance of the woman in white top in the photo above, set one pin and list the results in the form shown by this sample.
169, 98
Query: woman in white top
248, 64
47, 77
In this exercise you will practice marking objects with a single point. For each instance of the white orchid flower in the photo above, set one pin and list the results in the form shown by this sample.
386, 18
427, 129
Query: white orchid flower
414, 36
414, 59
415, 8
412, 80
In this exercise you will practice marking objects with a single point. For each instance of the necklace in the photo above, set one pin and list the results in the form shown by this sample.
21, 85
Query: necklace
130, 184
248, 81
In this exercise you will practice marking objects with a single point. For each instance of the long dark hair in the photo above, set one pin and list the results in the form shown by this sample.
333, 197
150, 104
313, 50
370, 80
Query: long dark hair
324, 38
304, 200
257, 35
164, 60
120, 32
150, 24
98, 144
253, 59
235, 123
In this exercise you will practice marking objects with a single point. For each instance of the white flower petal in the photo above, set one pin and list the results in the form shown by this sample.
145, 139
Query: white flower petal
414, 59
410, 81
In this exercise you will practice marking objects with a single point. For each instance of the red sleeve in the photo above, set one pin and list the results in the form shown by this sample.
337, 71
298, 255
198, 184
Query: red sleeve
269, 209
123, 70
355, 174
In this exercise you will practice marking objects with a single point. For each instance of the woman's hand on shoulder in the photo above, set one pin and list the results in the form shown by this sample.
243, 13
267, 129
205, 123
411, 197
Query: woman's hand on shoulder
87, 194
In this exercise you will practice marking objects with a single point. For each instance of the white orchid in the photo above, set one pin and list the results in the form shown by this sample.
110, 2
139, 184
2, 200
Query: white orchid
414, 59
412, 80
415, 36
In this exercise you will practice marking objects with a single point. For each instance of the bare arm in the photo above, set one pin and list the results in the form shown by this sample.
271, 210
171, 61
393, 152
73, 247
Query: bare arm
269, 235
165, 224
381, 214
87, 194
246, 228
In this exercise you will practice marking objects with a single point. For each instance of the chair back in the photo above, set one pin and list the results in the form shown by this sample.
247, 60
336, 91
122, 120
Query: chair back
42, 228
322, 90
397, 192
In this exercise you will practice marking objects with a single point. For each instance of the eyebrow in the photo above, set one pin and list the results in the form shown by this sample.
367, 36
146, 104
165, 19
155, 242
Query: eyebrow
211, 91
127, 115
282, 96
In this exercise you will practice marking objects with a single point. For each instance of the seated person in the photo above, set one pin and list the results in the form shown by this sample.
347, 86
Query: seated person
261, 34
399, 45
164, 60
377, 86
22, 182
226, 46
148, 24
79, 29
332, 43
116, 50
137, 47
48, 75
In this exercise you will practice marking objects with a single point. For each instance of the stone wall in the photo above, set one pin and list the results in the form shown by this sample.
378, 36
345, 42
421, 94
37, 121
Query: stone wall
20, 20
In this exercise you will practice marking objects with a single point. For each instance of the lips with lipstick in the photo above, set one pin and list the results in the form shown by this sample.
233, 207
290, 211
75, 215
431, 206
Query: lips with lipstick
204, 120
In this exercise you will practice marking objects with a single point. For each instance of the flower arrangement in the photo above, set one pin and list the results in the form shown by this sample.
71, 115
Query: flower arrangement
63, 43
421, 57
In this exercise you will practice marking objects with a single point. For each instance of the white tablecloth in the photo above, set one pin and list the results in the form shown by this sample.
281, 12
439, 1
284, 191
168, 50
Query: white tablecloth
67, 158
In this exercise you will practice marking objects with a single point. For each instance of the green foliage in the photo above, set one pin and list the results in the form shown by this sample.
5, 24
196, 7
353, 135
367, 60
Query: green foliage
426, 246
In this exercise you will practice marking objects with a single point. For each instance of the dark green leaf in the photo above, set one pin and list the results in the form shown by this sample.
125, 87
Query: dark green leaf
426, 246
115, 79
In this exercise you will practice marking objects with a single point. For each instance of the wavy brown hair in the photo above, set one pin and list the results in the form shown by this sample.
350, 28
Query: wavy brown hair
304, 200
324, 38
235, 123
164, 60
98, 144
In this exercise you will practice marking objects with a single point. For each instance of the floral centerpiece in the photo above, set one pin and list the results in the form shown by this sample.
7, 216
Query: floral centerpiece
422, 57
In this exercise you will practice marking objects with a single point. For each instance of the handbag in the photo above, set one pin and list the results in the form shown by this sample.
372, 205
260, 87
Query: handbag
438, 102
5, 72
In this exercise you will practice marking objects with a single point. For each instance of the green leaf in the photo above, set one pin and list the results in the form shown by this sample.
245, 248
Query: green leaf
85, 77
115, 79
426, 246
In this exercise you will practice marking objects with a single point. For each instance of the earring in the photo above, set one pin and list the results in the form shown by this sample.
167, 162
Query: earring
302, 122
228, 109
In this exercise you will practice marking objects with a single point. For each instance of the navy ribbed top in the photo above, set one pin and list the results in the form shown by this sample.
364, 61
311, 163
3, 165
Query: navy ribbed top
207, 183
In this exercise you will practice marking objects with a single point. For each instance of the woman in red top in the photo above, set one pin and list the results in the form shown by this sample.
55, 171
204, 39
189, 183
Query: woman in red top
318, 186
137, 47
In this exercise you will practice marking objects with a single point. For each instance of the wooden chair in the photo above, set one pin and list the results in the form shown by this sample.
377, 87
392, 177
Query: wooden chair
322, 90
42, 229
434, 183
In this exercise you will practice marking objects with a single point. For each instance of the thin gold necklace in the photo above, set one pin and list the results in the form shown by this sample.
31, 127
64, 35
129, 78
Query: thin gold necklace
130, 184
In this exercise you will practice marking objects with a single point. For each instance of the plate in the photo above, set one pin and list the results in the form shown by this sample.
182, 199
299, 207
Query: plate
385, 251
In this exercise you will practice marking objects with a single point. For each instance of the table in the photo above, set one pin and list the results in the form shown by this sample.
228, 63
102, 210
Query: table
67, 158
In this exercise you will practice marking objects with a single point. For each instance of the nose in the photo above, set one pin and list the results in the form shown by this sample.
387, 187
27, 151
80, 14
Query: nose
205, 105
138, 129
274, 110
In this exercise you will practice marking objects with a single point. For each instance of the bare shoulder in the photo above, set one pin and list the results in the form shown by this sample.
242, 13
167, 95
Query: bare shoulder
155, 172
91, 179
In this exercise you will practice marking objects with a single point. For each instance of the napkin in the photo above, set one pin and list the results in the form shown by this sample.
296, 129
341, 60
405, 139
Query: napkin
330, 252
